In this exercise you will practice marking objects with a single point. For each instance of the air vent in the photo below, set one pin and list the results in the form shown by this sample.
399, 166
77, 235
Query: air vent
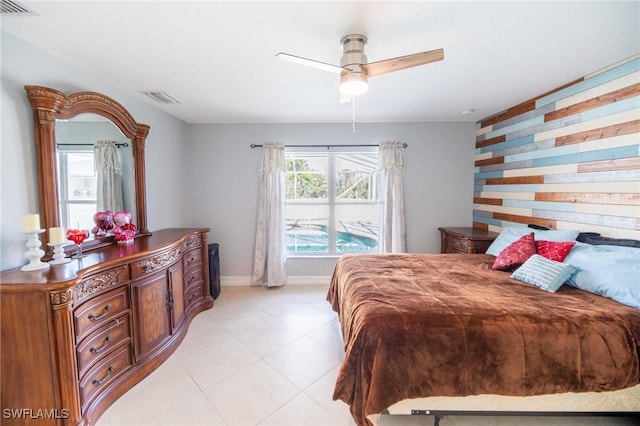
162, 97
10, 7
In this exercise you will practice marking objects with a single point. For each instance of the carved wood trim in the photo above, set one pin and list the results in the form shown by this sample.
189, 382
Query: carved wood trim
61, 299
191, 243
99, 282
161, 261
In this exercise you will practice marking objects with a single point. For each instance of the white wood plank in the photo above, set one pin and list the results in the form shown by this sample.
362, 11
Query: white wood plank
621, 117
625, 187
614, 142
605, 231
545, 170
603, 89
608, 209
508, 195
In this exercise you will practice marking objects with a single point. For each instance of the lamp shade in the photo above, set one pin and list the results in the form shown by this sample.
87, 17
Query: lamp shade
353, 83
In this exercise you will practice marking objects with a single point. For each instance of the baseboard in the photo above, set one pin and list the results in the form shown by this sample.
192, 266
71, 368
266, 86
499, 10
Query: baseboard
231, 281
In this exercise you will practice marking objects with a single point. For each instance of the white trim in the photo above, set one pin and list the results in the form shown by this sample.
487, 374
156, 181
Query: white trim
308, 280
297, 280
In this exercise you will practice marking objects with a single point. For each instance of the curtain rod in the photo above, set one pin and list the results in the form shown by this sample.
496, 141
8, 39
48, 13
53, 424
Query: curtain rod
253, 145
90, 144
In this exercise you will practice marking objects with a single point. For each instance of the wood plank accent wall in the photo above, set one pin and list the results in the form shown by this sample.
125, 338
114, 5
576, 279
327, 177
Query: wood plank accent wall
567, 159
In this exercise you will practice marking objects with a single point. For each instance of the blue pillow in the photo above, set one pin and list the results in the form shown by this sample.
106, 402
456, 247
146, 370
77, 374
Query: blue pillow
510, 234
544, 273
609, 271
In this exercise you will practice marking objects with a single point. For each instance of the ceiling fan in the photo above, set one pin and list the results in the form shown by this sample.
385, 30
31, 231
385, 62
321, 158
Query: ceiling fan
354, 69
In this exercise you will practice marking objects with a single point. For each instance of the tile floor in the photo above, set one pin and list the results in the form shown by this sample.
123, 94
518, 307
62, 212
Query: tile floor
266, 357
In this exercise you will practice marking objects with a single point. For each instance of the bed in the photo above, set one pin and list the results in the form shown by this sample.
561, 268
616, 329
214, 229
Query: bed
424, 332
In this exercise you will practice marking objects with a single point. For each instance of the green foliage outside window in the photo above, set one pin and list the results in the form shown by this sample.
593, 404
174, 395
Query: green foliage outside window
303, 182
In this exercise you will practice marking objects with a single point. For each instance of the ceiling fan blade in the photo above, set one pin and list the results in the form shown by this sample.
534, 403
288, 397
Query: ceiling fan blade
395, 64
310, 63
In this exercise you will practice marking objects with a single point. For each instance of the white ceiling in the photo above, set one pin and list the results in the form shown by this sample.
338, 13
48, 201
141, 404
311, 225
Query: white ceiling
217, 58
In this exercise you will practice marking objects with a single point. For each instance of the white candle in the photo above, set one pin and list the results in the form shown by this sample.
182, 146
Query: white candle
57, 235
30, 223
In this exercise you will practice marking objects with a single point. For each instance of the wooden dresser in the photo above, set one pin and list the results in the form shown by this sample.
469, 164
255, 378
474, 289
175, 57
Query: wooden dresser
75, 337
465, 240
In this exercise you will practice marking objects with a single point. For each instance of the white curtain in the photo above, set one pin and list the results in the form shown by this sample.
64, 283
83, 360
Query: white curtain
392, 237
270, 265
107, 165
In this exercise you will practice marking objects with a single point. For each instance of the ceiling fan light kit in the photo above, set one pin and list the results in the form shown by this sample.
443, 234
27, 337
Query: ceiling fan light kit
353, 83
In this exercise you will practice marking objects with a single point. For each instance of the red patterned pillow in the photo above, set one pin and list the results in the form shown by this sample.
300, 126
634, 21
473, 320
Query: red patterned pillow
515, 254
554, 250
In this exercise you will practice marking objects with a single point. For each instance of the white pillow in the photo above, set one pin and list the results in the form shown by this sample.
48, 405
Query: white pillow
510, 234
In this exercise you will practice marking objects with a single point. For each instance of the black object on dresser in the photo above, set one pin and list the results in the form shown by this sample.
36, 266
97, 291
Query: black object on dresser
214, 269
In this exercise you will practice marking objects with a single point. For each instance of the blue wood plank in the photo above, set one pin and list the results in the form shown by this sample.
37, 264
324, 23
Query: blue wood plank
542, 153
610, 109
582, 157
606, 176
592, 219
596, 80
544, 144
486, 220
485, 175
525, 124
523, 117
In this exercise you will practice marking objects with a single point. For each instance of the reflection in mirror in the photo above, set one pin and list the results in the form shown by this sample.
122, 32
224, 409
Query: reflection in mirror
95, 170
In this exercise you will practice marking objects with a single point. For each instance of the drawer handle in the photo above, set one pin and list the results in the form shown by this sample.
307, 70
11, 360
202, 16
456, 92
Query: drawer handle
191, 260
101, 381
101, 347
191, 279
92, 317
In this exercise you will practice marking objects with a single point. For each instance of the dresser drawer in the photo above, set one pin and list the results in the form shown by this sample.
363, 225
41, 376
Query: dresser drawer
465, 240
192, 259
156, 262
193, 293
100, 310
193, 278
102, 341
104, 372
100, 282
460, 245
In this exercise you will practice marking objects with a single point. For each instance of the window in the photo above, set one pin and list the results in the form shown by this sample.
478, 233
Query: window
331, 202
78, 188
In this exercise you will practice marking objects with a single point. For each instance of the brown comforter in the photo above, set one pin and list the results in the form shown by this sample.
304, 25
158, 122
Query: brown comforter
419, 325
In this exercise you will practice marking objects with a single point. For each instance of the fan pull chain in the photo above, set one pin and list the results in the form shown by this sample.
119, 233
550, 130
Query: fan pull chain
353, 114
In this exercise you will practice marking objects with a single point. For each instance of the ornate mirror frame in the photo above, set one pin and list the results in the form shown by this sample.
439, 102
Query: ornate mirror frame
50, 104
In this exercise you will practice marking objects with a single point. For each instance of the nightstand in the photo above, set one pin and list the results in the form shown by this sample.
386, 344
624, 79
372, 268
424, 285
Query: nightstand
465, 240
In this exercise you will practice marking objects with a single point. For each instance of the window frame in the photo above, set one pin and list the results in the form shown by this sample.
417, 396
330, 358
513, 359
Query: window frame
331, 202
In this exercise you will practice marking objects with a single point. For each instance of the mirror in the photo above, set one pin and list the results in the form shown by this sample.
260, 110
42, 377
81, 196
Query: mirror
62, 119
79, 176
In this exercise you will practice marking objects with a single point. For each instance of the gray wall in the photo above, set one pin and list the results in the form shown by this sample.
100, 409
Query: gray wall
438, 181
23, 64
206, 175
